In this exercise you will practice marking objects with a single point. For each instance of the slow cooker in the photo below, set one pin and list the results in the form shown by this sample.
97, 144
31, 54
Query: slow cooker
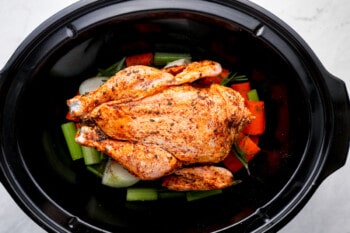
307, 109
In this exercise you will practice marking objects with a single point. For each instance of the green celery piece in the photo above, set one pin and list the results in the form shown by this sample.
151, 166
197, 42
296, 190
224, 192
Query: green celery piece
171, 194
95, 170
90, 155
141, 194
253, 95
161, 58
69, 130
99, 168
196, 195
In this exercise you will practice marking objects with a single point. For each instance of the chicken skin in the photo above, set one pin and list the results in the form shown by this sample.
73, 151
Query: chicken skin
193, 124
155, 124
136, 82
198, 179
147, 162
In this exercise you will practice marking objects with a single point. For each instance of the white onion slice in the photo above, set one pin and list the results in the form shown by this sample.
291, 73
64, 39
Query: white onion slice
179, 62
115, 175
91, 84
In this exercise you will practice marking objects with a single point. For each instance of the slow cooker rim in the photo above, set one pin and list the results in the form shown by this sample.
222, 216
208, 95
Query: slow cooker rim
314, 187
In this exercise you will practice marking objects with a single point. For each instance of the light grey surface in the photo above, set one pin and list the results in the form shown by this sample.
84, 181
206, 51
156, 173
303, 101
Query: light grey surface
325, 26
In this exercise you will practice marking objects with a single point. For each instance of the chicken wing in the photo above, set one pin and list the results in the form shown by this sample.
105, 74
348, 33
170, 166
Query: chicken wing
198, 178
136, 82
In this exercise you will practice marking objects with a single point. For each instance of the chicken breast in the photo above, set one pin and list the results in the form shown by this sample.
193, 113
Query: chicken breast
199, 178
196, 125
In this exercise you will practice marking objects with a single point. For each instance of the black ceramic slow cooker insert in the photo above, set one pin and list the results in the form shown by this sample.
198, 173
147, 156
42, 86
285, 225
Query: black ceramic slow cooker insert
307, 115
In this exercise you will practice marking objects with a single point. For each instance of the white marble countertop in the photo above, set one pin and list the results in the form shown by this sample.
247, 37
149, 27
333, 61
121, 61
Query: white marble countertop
324, 25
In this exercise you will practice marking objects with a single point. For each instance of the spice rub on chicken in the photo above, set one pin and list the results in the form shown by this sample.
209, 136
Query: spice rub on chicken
159, 125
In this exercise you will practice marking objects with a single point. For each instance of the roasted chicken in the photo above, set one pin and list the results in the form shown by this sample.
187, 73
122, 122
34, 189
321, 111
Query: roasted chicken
156, 124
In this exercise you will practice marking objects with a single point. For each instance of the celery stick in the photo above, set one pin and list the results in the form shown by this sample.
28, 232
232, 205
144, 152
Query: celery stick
69, 132
103, 156
141, 194
170, 194
253, 95
161, 59
99, 168
196, 195
95, 170
90, 155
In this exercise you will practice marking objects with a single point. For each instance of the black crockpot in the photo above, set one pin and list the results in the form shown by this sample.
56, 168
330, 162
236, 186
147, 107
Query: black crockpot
307, 115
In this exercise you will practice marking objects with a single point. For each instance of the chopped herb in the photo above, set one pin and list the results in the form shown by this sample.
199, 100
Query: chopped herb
233, 78
239, 153
112, 69
69, 131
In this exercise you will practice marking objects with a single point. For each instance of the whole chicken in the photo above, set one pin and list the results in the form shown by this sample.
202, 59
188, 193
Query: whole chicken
159, 125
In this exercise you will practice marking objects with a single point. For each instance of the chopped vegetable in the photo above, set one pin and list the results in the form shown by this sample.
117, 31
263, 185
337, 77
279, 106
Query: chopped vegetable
112, 69
257, 126
116, 176
141, 194
95, 169
244, 151
69, 130
248, 147
91, 84
99, 168
170, 194
139, 59
242, 88
152, 194
196, 195
162, 59
232, 163
253, 95
254, 138
90, 155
